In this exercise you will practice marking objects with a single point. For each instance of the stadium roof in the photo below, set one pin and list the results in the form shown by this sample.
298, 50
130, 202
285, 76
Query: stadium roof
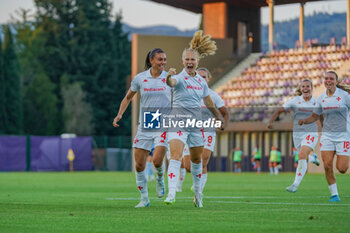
196, 5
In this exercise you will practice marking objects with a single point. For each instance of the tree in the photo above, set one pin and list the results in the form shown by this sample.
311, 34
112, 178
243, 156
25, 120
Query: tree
40, 106
41, 115
77, 113
80, 42
2, 93
121, 55
102, 61
12, 85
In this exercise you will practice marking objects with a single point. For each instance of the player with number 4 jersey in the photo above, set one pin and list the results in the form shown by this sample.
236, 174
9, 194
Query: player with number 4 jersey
304, 137
155, 94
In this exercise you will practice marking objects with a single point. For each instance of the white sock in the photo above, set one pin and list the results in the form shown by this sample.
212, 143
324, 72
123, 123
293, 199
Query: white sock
196, 170
276, 170
333, 188
141, 182
203, 181
173, 176
160, 171
311, 158
300, 172
182, 177
271, 170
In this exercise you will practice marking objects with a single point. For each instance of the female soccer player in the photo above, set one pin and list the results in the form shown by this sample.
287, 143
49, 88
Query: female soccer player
334, 104
155, 94
189, 89
304, 137
209, 136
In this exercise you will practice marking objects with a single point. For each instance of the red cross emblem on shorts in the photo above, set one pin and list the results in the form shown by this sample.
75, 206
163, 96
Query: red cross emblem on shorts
171, 175
199, 80
163, 80
186, 78
136, 140
338, 98
299, 174
199, 176
140, 188
180, 133
145, 80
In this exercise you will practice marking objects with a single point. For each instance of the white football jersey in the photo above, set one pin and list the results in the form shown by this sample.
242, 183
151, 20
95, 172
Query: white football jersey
302, 109
155, 93
335, 109
189, 91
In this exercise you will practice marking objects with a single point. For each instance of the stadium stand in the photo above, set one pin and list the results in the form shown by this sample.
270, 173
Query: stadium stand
273, 79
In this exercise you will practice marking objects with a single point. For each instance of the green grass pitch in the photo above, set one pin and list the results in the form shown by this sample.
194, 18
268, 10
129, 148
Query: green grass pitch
104, 202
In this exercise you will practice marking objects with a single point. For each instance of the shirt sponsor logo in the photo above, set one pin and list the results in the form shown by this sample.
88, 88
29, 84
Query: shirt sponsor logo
304, 110
331, 107
154, 89
194, 87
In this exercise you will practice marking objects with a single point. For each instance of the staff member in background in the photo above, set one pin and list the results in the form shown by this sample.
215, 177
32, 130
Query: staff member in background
237, 159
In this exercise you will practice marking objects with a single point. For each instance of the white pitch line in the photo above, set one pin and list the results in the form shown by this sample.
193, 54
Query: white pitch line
280, 203
292, 196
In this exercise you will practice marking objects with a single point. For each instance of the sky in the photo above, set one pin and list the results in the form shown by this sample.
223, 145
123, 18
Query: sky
140, 13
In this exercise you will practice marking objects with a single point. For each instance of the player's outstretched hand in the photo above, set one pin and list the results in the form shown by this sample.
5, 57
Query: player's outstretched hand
223, 122
301, 122
115, 121
269, 126
172, 71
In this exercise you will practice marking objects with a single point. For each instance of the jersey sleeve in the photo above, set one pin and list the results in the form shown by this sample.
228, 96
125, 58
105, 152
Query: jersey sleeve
347, 100
288, 105
318, 108
135, 84
217, 100
205, 89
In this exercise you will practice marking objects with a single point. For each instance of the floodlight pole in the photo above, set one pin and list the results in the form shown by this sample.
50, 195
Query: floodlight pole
271, 4
301, 25
348, 23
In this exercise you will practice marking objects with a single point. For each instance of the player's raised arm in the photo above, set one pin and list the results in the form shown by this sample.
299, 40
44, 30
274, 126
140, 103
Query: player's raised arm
170, 81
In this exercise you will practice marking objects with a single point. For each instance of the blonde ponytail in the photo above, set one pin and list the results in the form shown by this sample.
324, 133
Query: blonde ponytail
202, 45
